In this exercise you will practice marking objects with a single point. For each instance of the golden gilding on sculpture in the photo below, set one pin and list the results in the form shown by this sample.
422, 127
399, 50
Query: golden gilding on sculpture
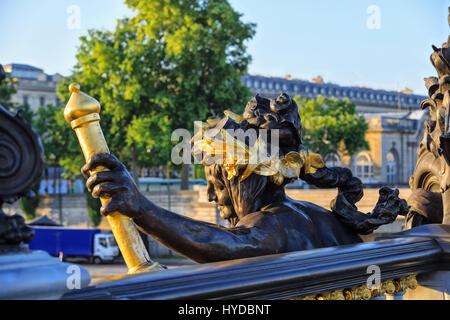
82, 112
235, 154
391, 286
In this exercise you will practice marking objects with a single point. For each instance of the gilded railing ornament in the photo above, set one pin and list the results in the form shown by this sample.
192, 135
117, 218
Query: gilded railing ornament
392, 286
82, 112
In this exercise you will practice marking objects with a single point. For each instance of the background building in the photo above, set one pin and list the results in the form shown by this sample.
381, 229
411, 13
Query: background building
394, 139
367, 100
34, 87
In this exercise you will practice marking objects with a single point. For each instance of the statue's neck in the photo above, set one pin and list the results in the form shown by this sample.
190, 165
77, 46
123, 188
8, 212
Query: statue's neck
269, 196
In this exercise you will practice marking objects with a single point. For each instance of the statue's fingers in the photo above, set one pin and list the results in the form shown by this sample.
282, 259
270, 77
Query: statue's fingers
99, 177
106, 160
112, 206
106, 190
85, 171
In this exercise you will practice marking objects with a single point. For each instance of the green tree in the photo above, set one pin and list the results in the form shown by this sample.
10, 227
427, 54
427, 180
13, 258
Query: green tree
93, 209
28, 205
170, 64
7, 89
332, 125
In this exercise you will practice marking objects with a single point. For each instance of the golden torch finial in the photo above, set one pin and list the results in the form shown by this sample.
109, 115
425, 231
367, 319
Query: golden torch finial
80, 105
82, 112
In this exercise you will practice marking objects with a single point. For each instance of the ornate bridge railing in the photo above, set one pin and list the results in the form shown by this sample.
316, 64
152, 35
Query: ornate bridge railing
334, 273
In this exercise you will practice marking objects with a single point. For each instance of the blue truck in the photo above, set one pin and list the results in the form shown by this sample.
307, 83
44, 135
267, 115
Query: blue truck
92, 244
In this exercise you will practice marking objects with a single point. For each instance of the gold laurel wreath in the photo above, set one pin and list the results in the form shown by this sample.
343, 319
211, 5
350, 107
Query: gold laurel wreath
235, 154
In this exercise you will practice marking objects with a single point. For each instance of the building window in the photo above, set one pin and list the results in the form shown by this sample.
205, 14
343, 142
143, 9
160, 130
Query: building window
277, 86
263, 85
25, 100
270, 85
285, 87
41, 101
332, 160
307, 89
256, 84
363, 166
391, 168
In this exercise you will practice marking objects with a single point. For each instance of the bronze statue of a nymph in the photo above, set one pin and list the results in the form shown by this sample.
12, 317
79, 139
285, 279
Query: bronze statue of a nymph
263, 219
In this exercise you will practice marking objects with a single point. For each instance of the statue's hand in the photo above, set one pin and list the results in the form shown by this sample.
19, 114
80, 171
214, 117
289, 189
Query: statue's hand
389, 206
115, 184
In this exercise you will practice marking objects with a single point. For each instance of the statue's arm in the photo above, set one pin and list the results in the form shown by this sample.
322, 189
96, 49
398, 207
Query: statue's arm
350, 191
206, 242
257, 234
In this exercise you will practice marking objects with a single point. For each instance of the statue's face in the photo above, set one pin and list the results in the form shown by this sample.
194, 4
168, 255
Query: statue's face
218, 192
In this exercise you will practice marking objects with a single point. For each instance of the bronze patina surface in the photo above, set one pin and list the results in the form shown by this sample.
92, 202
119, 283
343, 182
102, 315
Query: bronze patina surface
430, 183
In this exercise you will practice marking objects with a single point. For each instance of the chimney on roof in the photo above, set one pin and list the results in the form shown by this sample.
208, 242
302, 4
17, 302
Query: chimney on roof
317, 79
288, 76
407, 91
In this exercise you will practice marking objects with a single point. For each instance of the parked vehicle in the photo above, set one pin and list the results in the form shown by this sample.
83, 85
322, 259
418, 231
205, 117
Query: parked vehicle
92, 244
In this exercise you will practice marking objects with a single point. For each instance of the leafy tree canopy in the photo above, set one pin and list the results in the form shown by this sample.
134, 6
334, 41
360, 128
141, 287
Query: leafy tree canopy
332, 125
170, 64
7, 89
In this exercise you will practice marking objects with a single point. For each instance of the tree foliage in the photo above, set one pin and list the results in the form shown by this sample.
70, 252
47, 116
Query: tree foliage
7, 89
170, 64
93, 209
332, 125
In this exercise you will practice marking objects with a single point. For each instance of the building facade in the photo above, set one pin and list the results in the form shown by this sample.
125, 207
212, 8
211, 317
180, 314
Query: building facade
393, 140
34, 87
395, 119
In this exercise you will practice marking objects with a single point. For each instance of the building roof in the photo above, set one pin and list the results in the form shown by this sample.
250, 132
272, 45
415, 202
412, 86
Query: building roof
22, 66
357, 95
413, 115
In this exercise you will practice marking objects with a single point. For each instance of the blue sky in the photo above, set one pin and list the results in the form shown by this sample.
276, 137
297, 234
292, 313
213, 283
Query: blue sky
300, 38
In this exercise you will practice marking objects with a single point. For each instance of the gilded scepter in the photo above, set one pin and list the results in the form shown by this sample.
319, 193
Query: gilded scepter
82, 112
